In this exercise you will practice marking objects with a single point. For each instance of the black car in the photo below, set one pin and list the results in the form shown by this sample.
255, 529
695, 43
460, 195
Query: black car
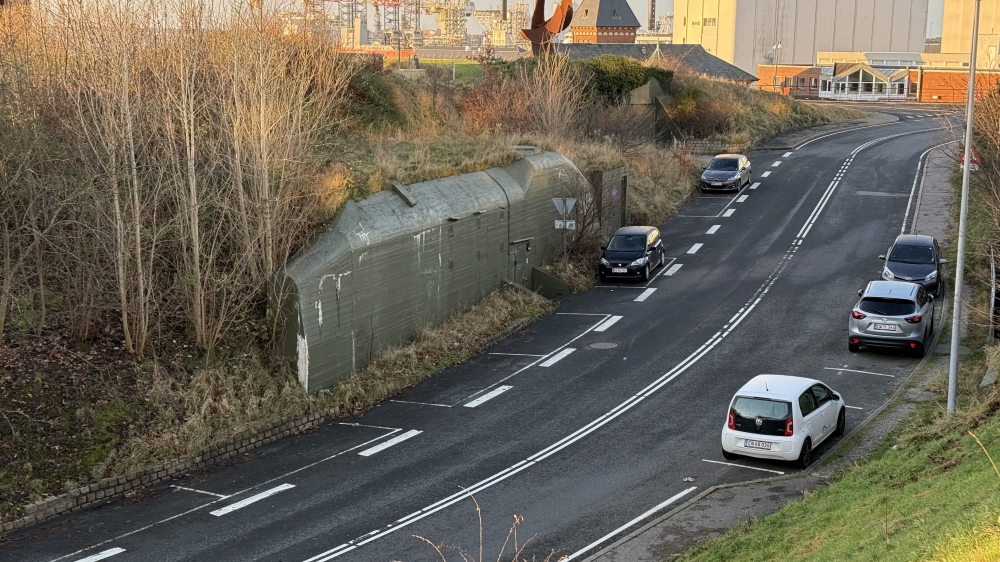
632, 253
917, 259
726, 171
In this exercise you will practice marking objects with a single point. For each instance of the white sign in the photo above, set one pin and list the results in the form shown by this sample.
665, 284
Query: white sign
568, 225
564, 204
973, 167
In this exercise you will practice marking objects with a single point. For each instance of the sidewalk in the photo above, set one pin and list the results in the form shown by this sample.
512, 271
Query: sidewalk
720, 508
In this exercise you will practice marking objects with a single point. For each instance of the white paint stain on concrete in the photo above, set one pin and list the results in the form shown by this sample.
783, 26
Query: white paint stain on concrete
302, 347
318, 305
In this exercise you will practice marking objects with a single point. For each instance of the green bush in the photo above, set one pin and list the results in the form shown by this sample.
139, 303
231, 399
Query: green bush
614, 77
370, 95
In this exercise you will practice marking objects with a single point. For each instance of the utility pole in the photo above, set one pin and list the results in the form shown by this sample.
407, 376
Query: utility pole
956, 317
777, 44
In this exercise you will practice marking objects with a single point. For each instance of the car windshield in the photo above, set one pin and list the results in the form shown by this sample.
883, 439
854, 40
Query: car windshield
762, 408
887, 307
723, 164
627, 243
912, 254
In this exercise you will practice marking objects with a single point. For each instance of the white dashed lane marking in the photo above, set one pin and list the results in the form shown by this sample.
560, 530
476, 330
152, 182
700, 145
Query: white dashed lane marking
742, 198
557, 357
673, 269
787, 154
267, 493
729, 213
645, 295
766, 174
102, 555
694, 249
607, 323
488, 396
776, 164
714, 229
755, 185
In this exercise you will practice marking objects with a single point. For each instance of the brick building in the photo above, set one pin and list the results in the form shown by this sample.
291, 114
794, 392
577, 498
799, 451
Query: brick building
604, 21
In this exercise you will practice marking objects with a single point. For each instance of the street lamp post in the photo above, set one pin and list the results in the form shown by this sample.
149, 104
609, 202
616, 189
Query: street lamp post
775, 48
956, 317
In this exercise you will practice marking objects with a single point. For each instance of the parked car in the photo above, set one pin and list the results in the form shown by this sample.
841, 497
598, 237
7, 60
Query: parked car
632, 253
782, 418
726, 171
892, 314
916, 259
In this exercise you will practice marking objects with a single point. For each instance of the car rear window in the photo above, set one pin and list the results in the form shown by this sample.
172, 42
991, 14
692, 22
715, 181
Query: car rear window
627, 242
887, 307
912, 254
762, 408
724, 164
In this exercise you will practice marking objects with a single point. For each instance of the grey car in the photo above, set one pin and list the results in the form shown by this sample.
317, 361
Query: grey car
893, 314
725, 172
916, 259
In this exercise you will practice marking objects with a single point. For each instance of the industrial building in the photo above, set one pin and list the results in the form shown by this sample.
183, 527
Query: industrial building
750, 33
956, 30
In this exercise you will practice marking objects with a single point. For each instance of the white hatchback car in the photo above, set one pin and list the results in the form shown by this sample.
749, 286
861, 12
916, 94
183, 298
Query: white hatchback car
782, 418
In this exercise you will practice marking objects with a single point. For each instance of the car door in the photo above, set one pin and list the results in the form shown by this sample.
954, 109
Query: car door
826, 409
744, 170
809, 409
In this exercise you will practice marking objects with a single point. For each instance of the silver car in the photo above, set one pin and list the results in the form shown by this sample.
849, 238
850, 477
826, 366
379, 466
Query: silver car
725, 172
892, 314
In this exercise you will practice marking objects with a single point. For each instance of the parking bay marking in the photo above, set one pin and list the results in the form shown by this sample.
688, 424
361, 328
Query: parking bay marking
839, 369
645, 294
394, 441
608, 323
102, 555
557, 357
253, 499
744, 466
488, 396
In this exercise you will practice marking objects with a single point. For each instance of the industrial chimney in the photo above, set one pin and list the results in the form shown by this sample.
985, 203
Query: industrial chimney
651, 28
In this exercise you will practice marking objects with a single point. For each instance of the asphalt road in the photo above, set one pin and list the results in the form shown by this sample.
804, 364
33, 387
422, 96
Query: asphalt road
579, 424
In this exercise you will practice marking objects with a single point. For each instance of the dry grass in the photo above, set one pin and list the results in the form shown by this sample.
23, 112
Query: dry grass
434, 350
660, 181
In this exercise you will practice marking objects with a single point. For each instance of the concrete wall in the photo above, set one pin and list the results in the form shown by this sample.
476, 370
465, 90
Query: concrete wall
956, 30
399, 261
746, 31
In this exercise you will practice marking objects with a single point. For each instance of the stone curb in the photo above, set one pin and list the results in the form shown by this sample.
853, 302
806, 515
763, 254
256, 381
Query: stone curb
112, 488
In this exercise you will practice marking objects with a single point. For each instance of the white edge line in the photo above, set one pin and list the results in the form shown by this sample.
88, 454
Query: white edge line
853, 407
744, 466
199, 491
102, 555
557, 357
603, 539
394, 441
608, 323
488, 396
522, 354
857, 371
421, 403
645, 294
252, 499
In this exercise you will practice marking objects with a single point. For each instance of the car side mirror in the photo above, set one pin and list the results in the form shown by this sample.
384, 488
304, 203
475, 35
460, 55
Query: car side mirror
704, 167
835, 396
861, 292
881, 256
942, 261
931, 297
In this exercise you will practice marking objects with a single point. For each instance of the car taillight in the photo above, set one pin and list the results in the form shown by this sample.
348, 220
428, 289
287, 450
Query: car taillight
858, 315
789, 427
915, 319
732, 419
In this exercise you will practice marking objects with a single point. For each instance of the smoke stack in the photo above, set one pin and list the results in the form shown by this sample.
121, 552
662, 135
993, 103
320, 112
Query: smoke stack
503, 10
652, 16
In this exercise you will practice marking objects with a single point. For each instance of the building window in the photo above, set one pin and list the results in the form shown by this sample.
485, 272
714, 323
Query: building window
788, 82
708, 22
813, 83
913, 87
800, 83
868, 87
777, 80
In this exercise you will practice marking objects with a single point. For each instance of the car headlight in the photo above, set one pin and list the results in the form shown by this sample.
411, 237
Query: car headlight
886, 274
931, 277
639, 262
605, 263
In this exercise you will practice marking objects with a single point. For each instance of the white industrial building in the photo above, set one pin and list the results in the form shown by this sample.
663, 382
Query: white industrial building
748, 33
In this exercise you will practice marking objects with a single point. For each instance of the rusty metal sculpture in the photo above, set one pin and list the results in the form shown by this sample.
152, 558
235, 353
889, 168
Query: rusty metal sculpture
542, 31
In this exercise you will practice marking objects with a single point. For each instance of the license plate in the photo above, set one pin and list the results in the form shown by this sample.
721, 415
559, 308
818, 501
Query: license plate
757, 444
717, 183
885, 327
619, 270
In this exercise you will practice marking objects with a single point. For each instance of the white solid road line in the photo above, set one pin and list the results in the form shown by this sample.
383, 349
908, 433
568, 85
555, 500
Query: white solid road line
394, 441
776, 164
673, 269
420, 403
252, 499
853, 407
645, 295
766, 174
715, 228
199, 491
787, 154
102, 555
524, 354
755, 185
694, 249
729, 213
742, 198
607, 324
612, 534
489, 395
856, 371
557, 357
744, 466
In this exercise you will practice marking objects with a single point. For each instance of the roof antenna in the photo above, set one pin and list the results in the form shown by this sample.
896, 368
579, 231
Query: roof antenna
766, 389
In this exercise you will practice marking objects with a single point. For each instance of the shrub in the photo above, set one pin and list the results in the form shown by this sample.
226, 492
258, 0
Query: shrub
613, 77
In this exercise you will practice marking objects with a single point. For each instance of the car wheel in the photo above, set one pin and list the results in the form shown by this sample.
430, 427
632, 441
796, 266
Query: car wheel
661, 257
645, 273
841, 424
602, 277
853, 347
729, 456
805, 455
